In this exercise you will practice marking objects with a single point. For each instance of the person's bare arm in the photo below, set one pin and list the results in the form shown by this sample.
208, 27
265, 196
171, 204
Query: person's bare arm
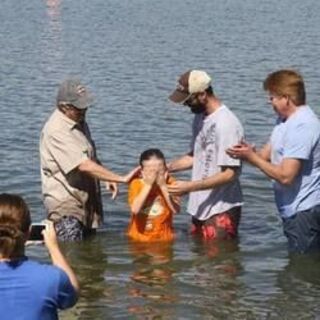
172, 202
149, 178
58, 259
265, 152
183, 163
284, 172
113, 188
226, 175
102, 173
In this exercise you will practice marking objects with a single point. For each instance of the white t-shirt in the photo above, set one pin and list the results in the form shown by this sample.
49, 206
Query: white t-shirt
212, 135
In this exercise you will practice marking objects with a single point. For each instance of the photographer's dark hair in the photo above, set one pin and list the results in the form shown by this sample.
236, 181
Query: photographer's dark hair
151, 153
14, 224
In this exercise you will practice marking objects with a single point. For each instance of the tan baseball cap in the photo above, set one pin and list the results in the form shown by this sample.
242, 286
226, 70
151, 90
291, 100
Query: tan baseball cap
192, 81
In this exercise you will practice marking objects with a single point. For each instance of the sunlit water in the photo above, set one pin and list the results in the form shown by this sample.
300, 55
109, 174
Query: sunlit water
130, 53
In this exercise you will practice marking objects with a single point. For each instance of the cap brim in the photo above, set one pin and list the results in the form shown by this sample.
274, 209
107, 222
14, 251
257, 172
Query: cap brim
84, 102
178, 96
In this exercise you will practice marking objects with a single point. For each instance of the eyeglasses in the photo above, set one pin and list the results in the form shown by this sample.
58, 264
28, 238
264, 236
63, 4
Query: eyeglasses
273, 97
191, 99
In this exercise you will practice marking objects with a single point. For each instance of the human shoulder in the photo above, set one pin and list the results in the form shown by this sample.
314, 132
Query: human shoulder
304, 121
57, 123
39, 272
135, 184
304, 116
42, 267
57, 280
299, 134
61, 286
228, 115
227, 122
136, 181
46, 280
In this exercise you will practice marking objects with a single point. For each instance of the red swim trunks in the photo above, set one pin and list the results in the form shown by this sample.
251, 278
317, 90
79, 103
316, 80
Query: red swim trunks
220, 226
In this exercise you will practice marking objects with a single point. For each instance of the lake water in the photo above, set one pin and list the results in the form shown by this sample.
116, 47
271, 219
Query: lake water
130, 54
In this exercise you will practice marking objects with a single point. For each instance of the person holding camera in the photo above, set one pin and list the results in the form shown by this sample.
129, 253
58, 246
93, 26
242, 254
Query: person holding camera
30, 290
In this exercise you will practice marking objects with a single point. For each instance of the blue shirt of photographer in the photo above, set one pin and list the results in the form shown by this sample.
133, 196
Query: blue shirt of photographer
33, 291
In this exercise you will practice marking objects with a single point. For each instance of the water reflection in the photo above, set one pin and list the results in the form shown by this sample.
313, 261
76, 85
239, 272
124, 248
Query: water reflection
51, 47
89, 259
53, 9
150, 261
211, 285
213, 248
150, 276
124, 279
298, 295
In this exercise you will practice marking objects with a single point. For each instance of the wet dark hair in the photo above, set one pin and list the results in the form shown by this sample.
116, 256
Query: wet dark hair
151, 153
14, 224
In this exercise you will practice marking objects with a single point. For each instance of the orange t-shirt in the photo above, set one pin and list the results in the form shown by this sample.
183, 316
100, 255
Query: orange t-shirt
154, 221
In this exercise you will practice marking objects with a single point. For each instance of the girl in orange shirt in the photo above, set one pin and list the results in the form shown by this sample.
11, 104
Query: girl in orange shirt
152, 207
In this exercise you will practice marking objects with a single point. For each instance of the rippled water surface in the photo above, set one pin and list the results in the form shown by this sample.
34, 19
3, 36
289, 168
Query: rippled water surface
130, 54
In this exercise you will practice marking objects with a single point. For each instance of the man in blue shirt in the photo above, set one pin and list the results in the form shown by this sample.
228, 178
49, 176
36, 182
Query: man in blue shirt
292, 160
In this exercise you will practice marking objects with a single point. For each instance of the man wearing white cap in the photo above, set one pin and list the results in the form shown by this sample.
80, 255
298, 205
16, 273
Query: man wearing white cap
70, 171
215, 198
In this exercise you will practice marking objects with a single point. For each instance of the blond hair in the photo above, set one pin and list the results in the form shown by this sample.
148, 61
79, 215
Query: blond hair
286, 83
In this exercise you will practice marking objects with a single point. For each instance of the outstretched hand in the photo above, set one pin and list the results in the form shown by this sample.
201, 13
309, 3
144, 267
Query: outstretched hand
113, 188
132, 174
180, 187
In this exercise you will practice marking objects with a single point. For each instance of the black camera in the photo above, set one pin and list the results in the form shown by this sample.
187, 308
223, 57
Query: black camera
36, 231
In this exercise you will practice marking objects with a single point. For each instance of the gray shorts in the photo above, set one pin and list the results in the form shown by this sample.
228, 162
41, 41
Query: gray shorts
303, 231
69, 228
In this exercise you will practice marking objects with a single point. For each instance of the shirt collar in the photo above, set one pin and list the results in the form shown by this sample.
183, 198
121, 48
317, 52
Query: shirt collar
213, 114
67, 121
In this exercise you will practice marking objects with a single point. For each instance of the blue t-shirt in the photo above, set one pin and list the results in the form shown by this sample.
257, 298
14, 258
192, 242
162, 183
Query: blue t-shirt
298, 138
33, 291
